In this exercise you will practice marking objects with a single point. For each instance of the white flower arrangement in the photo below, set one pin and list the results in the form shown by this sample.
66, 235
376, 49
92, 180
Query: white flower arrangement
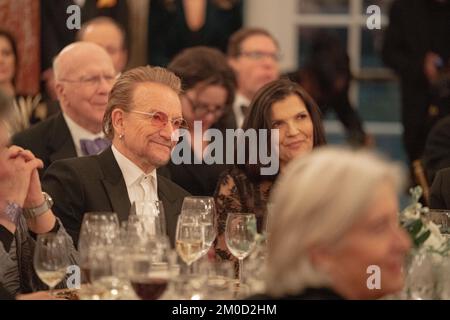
424, 233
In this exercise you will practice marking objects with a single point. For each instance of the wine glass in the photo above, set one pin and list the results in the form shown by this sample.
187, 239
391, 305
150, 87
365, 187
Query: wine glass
99, 233
152, 216
240, 236
189, 239
150, 268
204, 208
51, 259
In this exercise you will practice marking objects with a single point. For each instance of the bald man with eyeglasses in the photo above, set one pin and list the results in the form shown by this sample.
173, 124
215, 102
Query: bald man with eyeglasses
84, 75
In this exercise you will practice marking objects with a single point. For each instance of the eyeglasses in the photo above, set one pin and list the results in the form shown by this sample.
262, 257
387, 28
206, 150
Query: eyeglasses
160, 119
202, 109
259, 55
94, 80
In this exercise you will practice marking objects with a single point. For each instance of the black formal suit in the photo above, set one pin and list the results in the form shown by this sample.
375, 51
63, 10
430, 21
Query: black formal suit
197, 179
49, 140
96, 183
440, 190
415, 28
437, 149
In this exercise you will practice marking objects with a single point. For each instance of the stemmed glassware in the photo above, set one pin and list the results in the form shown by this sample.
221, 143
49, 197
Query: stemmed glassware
204, 209
240, 237
150, 267
99, 236
51, 259
152, 216
189, 239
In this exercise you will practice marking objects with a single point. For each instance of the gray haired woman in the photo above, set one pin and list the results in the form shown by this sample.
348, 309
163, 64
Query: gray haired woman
338, 235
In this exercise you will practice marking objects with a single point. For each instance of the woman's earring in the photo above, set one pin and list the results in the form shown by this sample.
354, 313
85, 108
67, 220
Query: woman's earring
121, 136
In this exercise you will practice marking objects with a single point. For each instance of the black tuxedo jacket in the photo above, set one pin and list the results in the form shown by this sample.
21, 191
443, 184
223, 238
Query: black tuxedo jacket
49, 140
197, 179
440, 190
437, 149
96, 183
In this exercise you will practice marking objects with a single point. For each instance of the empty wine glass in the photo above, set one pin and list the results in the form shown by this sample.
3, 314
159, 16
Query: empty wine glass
150, 268
99, 234
205, 210
420, 281
219, 281
189, 239
240, 236
152, 216
51, 259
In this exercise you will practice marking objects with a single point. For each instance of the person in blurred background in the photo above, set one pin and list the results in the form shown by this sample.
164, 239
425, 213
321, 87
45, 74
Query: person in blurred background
26, 109
436, 155
208, 91
142, 116
326, 77
108, 34
84, 75
281, 105
20, 191
341, 220
174, 25
253, 54
55, 33
416, 46
439, 195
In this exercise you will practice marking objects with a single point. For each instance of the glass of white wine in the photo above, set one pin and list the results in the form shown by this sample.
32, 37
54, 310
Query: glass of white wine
205, 210
189, 239
240, 236
51, 259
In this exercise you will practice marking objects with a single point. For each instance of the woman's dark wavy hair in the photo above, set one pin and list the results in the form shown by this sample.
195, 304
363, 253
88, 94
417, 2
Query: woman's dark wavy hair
260, 114
207, 66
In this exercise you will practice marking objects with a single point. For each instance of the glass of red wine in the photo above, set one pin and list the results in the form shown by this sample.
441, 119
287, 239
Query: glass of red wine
150, 268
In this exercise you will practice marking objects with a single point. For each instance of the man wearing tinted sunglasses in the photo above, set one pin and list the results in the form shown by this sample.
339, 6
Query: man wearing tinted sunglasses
142, 120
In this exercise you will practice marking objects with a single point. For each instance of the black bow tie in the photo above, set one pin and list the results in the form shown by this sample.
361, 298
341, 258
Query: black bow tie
245, 109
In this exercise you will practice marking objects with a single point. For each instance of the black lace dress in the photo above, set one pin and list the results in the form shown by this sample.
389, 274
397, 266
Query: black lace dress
236, 193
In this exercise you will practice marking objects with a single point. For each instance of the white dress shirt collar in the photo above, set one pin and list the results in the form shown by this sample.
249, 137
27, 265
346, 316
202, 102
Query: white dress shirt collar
78, 132
132, 174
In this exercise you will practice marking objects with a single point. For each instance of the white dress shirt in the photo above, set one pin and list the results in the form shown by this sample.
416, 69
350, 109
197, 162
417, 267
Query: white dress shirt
77, 132
240, 100
140, 186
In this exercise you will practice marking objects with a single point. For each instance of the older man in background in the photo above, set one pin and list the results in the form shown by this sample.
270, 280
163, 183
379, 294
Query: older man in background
84, 75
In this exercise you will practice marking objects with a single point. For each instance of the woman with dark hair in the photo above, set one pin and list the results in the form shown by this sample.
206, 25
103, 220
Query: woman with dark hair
209, 87
281, 105
27, 109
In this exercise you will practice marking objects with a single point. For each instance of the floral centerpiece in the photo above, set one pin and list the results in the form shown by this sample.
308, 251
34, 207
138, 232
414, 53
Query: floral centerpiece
424, 232
426, 274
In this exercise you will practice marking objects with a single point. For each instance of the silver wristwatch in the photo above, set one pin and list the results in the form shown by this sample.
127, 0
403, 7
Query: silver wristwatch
30, 213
